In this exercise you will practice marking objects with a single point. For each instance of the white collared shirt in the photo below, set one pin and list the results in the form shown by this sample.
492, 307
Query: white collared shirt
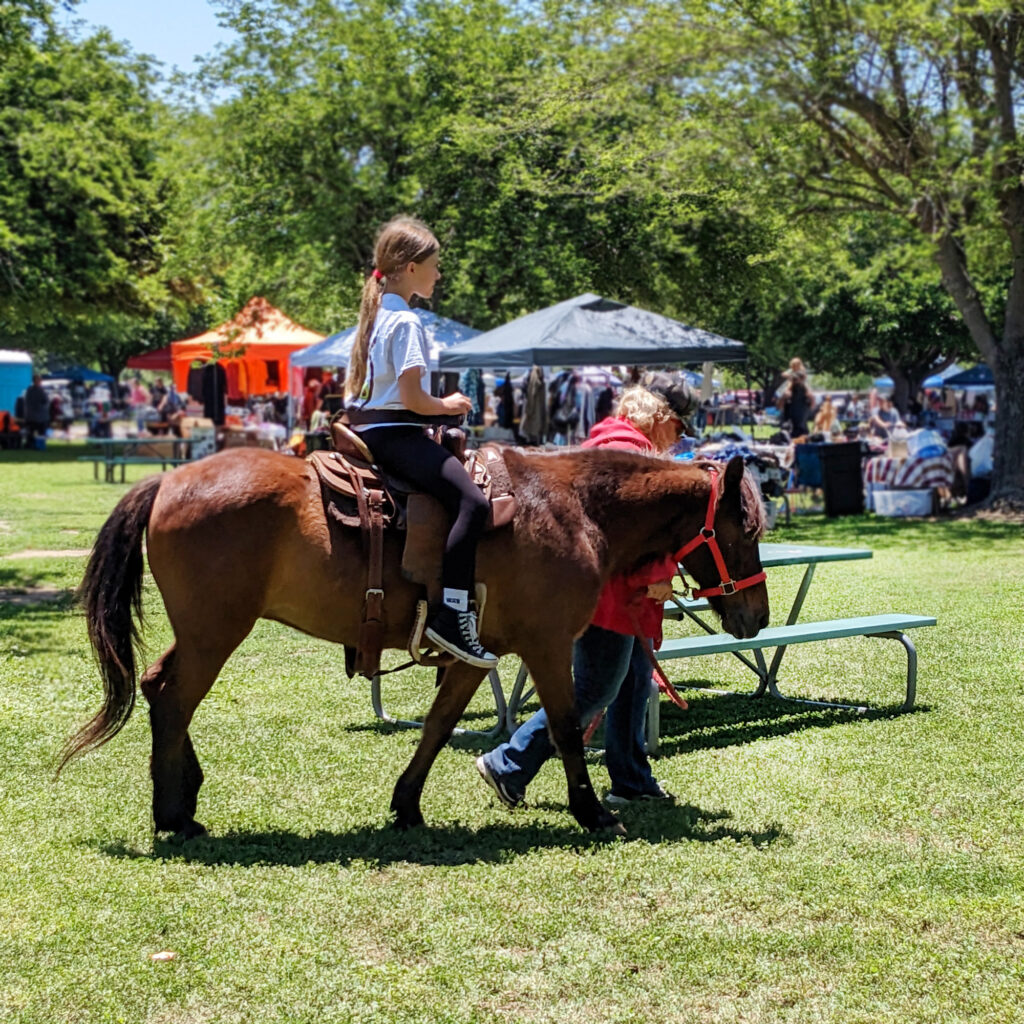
398, 343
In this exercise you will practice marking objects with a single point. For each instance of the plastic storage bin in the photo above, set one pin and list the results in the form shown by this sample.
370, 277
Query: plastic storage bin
903, 503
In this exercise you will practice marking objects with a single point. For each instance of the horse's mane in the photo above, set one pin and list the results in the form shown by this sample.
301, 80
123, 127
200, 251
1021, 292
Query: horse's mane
755, 523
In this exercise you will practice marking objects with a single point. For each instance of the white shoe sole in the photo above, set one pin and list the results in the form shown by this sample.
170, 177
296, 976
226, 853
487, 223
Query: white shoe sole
507, 799
458, 652
613, 800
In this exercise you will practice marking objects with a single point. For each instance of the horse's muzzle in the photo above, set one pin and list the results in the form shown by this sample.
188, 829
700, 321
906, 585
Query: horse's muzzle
745, 623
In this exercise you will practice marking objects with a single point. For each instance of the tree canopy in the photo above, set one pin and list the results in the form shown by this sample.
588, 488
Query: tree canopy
901, 112
81, 202
840, 182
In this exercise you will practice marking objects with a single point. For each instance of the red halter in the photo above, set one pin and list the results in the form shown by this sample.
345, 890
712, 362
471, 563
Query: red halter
707, 536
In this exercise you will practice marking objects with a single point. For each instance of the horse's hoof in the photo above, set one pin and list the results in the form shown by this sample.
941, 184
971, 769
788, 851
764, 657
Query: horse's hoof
406, 819
191, 831
608, 822
405, 824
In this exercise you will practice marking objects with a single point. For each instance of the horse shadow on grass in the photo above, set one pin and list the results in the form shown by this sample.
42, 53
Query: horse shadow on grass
713, 720
449, 844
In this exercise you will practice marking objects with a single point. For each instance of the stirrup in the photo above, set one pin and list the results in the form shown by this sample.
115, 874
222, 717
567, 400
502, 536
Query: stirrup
424, 655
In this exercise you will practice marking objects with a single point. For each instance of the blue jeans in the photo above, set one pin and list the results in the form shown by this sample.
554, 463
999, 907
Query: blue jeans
610, 671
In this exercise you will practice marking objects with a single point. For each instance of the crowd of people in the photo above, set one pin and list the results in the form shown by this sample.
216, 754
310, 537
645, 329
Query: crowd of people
832, 416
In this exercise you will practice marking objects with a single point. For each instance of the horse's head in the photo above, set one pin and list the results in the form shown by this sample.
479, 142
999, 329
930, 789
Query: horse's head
724, 559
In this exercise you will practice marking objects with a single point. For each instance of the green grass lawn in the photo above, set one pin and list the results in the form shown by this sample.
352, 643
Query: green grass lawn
820, 866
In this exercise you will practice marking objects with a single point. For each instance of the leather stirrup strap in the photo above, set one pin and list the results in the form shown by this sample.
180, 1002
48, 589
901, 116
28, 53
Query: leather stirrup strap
371, 630
360, 492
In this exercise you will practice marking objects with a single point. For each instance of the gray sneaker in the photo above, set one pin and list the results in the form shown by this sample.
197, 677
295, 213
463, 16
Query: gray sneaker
658, 795
501, 791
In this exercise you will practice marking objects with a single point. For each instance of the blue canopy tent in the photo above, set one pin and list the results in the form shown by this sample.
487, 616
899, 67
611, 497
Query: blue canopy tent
979, 376
936, 380
587, 330
335, 350
78, 373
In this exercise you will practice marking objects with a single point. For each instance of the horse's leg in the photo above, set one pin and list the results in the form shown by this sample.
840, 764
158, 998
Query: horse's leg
174, 685
552, 679
458, 686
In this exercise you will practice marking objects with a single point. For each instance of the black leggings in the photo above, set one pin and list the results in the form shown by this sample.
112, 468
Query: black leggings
408, 453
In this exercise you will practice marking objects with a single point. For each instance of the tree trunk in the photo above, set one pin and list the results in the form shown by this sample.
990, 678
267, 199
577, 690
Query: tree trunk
900, 393
1008, 460
1006, 360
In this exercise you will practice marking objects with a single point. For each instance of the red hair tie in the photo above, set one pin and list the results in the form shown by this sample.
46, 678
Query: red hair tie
378, 275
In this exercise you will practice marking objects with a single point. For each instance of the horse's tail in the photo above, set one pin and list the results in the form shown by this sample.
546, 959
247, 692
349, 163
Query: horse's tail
110, 592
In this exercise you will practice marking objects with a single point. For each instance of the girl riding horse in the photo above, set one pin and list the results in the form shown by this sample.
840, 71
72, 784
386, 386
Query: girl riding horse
243, 535
387, 390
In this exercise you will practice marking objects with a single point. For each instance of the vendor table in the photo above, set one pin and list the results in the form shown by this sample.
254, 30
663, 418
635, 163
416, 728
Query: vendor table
883, 473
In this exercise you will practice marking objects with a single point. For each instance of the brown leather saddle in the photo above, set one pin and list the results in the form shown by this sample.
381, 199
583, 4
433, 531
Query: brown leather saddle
356, 492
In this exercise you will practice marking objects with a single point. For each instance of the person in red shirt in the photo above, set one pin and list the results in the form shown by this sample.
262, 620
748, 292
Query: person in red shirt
610, 668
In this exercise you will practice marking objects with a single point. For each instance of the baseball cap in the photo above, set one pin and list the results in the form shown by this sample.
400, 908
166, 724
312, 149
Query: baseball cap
682, 399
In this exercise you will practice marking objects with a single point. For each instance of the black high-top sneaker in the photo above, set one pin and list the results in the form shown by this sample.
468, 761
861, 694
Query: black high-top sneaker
455, 633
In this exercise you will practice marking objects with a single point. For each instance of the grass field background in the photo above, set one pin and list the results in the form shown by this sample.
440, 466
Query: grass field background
820, 866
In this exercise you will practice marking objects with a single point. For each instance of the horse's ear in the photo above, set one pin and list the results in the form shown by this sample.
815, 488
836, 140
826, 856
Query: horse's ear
733, 476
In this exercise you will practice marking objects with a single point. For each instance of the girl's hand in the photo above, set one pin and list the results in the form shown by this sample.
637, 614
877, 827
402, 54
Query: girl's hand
457, 404
660, 591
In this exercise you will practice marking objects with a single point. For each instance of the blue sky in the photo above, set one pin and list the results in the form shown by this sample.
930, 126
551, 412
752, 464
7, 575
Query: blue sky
173, 31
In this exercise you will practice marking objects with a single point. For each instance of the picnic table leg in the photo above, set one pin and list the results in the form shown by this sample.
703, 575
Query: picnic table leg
517, 698
407, 723
736, 654
653, 719
908, 702
794, 614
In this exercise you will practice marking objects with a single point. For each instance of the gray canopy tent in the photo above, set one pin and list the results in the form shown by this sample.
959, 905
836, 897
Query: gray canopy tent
591, 330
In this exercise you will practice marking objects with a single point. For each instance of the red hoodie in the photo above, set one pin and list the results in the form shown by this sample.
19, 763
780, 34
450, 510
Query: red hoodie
623, 604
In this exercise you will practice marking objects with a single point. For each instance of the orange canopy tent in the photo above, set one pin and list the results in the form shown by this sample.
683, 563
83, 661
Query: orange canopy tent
253, 348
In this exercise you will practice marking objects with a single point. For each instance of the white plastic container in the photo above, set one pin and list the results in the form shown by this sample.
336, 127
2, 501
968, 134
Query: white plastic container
903, 503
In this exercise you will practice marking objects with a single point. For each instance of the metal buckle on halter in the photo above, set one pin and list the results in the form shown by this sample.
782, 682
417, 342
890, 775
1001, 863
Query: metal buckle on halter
688, 590
707, 532
728, 587
374, 592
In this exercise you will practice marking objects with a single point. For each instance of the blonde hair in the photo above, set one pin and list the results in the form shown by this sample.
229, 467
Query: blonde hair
826, 418
403, 240
644, 409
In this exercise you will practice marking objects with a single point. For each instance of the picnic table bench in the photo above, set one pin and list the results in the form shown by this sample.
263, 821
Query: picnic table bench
121, 452
890, 626
112, 462
749, 651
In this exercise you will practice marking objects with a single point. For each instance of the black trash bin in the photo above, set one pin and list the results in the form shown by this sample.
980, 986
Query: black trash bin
841, 478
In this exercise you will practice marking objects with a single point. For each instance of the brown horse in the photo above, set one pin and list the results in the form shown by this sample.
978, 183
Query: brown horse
243, 535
